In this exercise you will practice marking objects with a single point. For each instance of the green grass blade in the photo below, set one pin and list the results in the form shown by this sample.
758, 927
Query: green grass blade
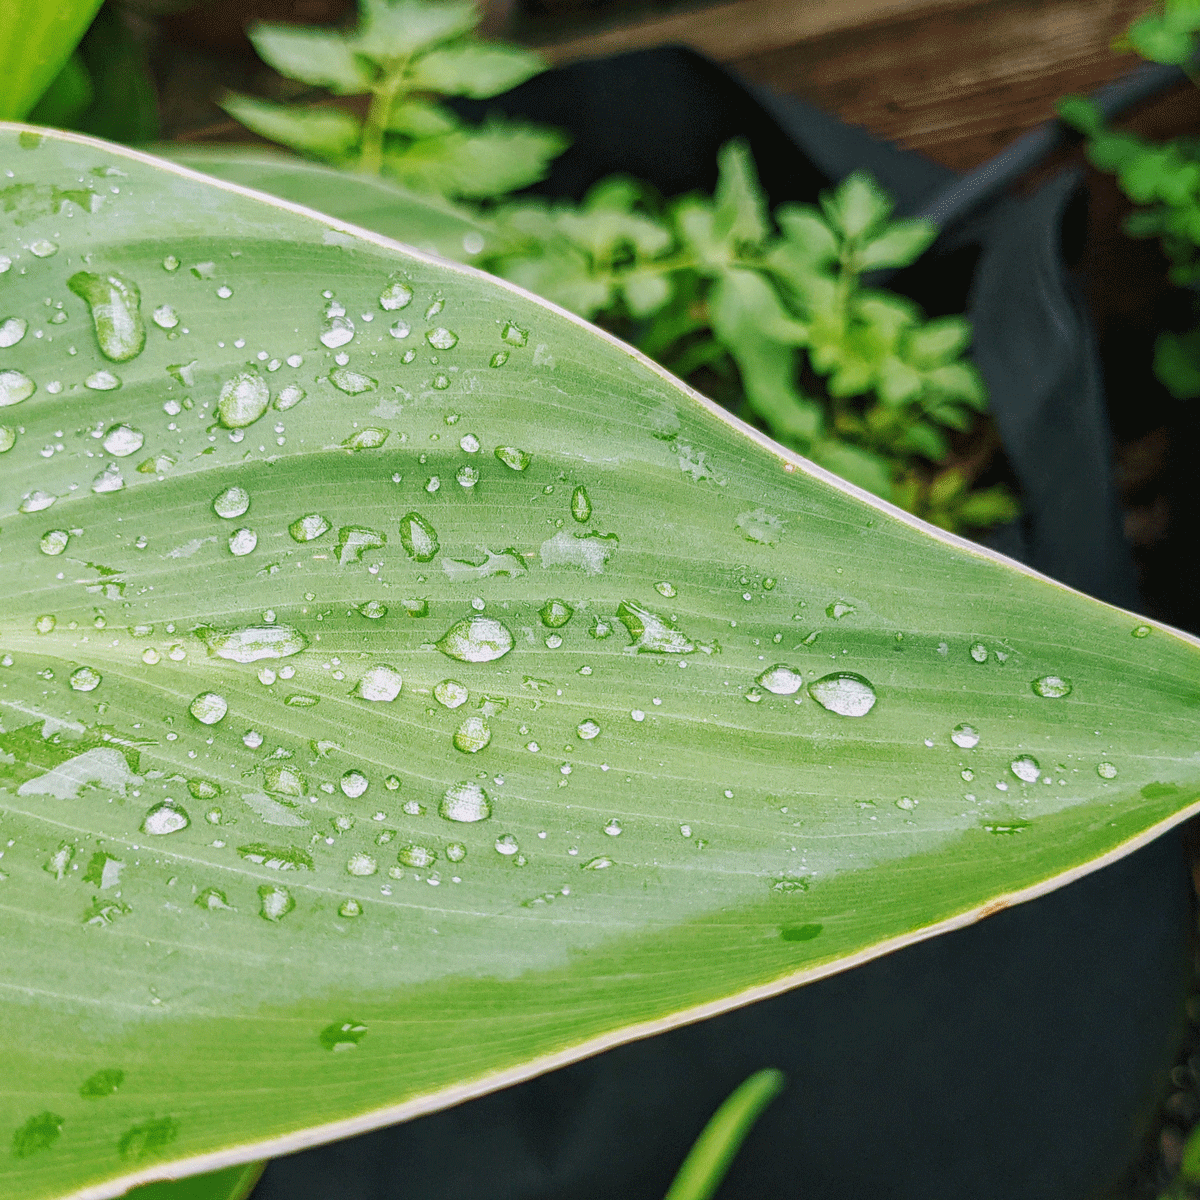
720, 1140
37, 37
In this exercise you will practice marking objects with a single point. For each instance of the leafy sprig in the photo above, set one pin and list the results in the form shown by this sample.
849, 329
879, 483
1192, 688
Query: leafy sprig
404, 55
776, 313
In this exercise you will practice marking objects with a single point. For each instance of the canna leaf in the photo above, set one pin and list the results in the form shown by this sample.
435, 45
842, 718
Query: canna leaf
305, 638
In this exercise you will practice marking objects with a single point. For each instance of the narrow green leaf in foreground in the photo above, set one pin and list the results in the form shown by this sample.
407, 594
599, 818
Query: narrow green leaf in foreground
36, 40
406, 688
715, 1148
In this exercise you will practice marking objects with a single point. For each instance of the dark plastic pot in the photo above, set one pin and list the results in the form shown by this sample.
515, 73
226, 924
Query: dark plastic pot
1020, 1059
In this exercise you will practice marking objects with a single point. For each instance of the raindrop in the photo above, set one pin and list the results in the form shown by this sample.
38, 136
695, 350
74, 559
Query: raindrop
242, 542
353, 540
1140, 631
1026, 768
507, 845
350, 908
254, 642
45, 623
232, 502
472, 735
467, 477
108, 480
353, 784
361, 864
599, 863
1052, 687
418, 537
396, 295
450, 693
102, 381
339, 330
400, 330
781, 680
8, 437
456, 852
379, 683
150, 656
476, 639
514, 335
15, 386
243, 399
85, 679
165, 317
844, 693
979, 652
581, 504
418, 857
208, 708
652, 633
308, 528
12, 330
839, 609
54, 542
352, 383
1106, 770
373, 610
907, 803
510, 456
499, 358
164, 818
555, 613
274, 902
442, 338
588, 730
966, 736
613, 828
465, 802
289, 397
36, 501
43, 248
114, 303
469, 443
123, 440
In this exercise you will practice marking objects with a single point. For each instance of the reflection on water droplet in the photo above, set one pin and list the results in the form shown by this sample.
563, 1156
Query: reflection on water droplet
1026, 768
396, 295
442, 338
472, 735
164, 818
122, 440
844, 693
289, 397
380, 684
511, 457
309, 528
588, 730
12, 330
350, 908
232, 502
514, 335
781, 680
507, 845
555, 613
243, 399
966, 736
165, 317
338, 330
418, 537
979, 652
203, 789
839, 609
45, 623
1052, 687
652, 633
907, 803
54, 542
353, 784
415, 856
15, 386
274, 902
114, 303
85, 679
476, 639
1106, 770
456, 852
1140, 631
254, 642
8, 435
102, 381
352, 383
208, 708
108, 480
466, 802
450, 693
400, 330
342, 1035
599, 863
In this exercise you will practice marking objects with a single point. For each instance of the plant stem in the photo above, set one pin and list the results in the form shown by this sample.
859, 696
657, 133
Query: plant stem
383, 98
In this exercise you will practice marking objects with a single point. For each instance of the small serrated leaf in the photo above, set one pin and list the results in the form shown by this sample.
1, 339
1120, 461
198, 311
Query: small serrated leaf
474, 69
324, 132
319, 57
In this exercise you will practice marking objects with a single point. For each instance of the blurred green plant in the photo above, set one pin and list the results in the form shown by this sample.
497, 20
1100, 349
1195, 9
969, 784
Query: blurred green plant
774, 319
1162, 178
404, 55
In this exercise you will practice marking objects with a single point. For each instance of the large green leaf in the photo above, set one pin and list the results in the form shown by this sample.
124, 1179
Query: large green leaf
387, 718
37, 37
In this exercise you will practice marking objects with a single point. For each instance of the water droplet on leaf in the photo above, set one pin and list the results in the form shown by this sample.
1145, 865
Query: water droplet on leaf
844, 693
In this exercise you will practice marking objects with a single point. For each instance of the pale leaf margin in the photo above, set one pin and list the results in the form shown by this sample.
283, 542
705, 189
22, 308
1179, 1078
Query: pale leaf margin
790, 463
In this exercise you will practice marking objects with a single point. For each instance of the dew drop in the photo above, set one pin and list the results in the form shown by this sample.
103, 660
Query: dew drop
476, 639
339, 330
353, 784
165, 317
781, 680
12, 330
289, 397
396, 295
232, 502
450, 693
242, 542
1052, 687
123, 440
253, 642
379, 684
350, 908
839, 609
510, 456
581, 504
8, 438
979, 652
416, 856
418, 537
1140, 631
208, 708
114, 303
36, 501
54, 542
588, 730
1026, 768
85, 679
373, 610
45, 623
514, 335
15, 386
274, 902
108, 480
966, 736
844, 693
442, 338
243, 399
400, 330
613, 828
352, 383
472, 735
465, 802
309, 528
599, 863
507, 845
361, 864
555, 613
165, 818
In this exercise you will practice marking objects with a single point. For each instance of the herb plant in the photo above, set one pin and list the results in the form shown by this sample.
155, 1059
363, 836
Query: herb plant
406, 688
404, 55
1163, 178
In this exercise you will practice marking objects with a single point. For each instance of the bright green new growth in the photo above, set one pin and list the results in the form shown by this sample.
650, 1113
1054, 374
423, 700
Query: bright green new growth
1163, 178
710, 1158
404, 54
36, 41
406, 689
743, 307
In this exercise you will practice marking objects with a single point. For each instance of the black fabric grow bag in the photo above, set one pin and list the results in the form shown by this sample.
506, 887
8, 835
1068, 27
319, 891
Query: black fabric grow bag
1018, 1059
